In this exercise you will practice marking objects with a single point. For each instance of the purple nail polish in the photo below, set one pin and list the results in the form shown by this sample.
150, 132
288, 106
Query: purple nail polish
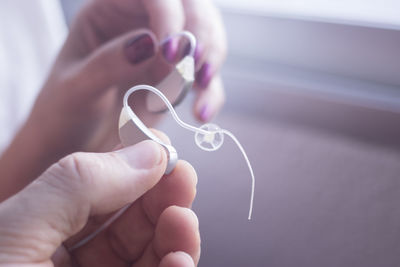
186, 50
205, 113
170, 49
197, 52
139, 49
203, 76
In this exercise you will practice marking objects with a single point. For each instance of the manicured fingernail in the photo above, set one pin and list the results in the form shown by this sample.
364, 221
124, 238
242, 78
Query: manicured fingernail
145, 155
205, 113
197, 52
187, 49
203, 76
139, 48
170, 49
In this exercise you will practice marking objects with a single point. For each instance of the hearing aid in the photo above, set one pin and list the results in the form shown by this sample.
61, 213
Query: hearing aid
178, 82
208, 137
175, 87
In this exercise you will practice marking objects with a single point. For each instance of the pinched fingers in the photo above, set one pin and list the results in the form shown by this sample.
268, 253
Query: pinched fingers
205, 22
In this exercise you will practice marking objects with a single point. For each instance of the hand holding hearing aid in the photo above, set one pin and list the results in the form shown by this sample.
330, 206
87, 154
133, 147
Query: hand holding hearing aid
106, 52
40, 224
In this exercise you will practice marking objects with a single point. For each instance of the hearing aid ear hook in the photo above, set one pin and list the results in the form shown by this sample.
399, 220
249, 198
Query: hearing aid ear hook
189, 36
178, 82
208, 137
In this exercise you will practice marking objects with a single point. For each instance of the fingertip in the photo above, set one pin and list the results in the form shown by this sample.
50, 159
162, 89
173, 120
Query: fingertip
175, 189
170, 49
198, 53
177, 259
204, 75
144, 155
177, 230
206, 113
161, 13
139, 48
184, 178
209, 101
185, 169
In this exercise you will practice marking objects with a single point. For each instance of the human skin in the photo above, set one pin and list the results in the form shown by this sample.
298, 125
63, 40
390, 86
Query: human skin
79, 104
40, 224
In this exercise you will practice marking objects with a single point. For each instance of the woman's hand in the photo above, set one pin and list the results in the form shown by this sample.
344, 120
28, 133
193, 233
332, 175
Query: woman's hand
106, 52
75, 196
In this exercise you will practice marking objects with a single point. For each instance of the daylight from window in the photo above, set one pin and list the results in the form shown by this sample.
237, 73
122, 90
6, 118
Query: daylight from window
386, 12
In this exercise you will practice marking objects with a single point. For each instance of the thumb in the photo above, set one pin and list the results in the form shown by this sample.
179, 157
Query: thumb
117, 62
35, 222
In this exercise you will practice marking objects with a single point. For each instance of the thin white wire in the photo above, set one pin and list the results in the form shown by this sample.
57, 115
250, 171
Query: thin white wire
253, 180
189, 36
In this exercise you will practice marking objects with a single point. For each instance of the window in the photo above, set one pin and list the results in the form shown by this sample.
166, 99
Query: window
346, 49
378, 12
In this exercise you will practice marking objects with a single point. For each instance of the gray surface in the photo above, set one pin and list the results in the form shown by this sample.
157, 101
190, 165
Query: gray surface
322, 199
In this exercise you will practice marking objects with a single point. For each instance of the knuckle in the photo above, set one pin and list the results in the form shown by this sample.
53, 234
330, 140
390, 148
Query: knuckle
60, 180
79, 168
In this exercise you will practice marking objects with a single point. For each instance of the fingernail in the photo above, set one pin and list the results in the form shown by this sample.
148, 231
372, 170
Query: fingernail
144, 155
139, 48
187, 49
203, 76
170, 49
205, 113
197, 52
185, 257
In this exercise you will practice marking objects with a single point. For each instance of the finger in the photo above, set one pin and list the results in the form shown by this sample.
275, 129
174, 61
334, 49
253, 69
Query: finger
177, 188
59, 203
211, 37
209, 101
166, 17
96, 222
131, 233
176, 230
210, 55
121, 61
177, 259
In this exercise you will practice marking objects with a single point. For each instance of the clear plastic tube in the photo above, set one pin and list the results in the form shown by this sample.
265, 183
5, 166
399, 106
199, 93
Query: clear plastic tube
195, 130
185, 126
189, 36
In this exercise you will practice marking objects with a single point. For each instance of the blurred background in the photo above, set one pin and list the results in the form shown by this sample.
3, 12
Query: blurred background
313, 94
